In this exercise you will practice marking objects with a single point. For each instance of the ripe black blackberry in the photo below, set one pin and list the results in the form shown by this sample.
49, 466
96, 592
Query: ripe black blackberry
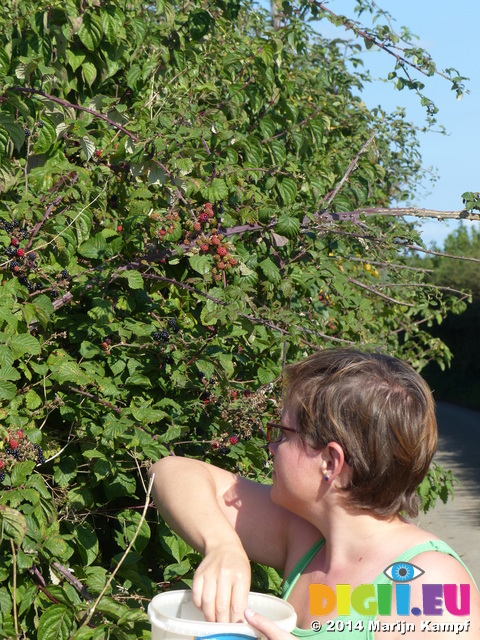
10, 251
2, 476
156, 335
27, 132
23, 280
164, 335
31, 286
64, 274
14, 264
172, 323
39, 286
54, 294
39, 454
15, 453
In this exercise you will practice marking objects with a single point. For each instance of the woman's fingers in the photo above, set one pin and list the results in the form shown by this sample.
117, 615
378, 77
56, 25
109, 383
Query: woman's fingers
220, 589
266, 627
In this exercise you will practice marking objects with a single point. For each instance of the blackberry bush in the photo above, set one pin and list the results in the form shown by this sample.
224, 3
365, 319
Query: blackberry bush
187, 203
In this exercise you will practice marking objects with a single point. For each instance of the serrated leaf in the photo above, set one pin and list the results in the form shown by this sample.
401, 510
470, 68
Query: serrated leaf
135, 280
47, 137
88, 146
24, 343
287, 189
13, 524
21, 471
270, 270
216, 190
288, 226
56, 623
200, 263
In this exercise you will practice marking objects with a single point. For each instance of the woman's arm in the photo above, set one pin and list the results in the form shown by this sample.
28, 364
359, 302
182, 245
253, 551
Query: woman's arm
230, 520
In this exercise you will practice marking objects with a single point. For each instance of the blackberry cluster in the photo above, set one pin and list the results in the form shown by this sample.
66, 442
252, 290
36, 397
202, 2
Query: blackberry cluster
39, 454
64, 274
172, 323
162, 335
18, 449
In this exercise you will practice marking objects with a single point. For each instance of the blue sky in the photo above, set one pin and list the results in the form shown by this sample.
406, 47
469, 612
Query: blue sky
449, 32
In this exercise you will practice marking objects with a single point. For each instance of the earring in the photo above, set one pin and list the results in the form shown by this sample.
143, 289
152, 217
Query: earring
326, 478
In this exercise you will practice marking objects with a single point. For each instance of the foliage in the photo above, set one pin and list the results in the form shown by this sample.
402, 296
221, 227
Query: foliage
460, 332
177, 182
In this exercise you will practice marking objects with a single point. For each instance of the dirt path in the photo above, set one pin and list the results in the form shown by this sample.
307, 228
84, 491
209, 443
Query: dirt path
458, 522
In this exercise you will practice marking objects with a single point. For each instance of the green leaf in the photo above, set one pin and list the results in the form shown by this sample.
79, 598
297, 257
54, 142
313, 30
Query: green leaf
13, 524
47, 137
21, 471
56, 623
8, 390
270, 270
288, 226
24, 343
201, 263
217, 190
88, 147
89, 73
135, 279
287, 189
91, 31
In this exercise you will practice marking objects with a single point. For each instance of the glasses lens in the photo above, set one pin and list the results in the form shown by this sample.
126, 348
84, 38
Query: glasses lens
274, 434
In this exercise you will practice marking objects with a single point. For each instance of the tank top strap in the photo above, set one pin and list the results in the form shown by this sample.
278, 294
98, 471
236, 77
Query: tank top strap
300, 567
423, 547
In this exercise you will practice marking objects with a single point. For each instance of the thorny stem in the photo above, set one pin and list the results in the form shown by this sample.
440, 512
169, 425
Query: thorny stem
70, 105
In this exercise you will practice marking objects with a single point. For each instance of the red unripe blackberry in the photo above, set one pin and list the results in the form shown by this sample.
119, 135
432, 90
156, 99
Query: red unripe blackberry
13, 443
1, 464
162, 232
104, 345
233, 440
15, 242
203, 217
19, 434
204, 247
20, 253
98, 153
222, 251
197, 226
215, 444
247, 393
216, 241
208, 206
221, 265
233, 262
119, 228
234, 394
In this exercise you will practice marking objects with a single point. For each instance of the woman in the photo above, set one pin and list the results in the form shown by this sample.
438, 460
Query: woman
357, 435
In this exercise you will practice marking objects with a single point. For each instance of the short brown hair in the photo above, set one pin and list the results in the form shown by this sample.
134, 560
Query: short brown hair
379, 410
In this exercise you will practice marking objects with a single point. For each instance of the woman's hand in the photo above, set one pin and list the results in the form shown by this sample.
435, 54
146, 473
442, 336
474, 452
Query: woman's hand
221, 583
266, 627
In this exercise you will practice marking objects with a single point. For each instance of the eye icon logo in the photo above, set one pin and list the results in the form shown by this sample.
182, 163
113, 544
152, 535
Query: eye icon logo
403, 572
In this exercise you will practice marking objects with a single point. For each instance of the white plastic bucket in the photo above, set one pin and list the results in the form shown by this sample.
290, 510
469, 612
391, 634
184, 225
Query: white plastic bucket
173, 616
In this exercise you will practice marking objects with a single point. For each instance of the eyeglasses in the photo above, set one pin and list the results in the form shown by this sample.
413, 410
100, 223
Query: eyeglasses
275, 431
275, 434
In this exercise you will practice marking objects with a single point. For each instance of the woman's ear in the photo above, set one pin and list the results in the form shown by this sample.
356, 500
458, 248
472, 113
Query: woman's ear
333, 461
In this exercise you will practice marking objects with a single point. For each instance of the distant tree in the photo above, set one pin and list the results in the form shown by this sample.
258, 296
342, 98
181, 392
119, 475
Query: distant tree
463, 273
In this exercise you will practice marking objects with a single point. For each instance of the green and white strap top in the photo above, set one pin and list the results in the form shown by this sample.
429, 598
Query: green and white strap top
356, 626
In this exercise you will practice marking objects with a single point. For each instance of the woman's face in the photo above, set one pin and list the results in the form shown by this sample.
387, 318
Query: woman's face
297, 470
